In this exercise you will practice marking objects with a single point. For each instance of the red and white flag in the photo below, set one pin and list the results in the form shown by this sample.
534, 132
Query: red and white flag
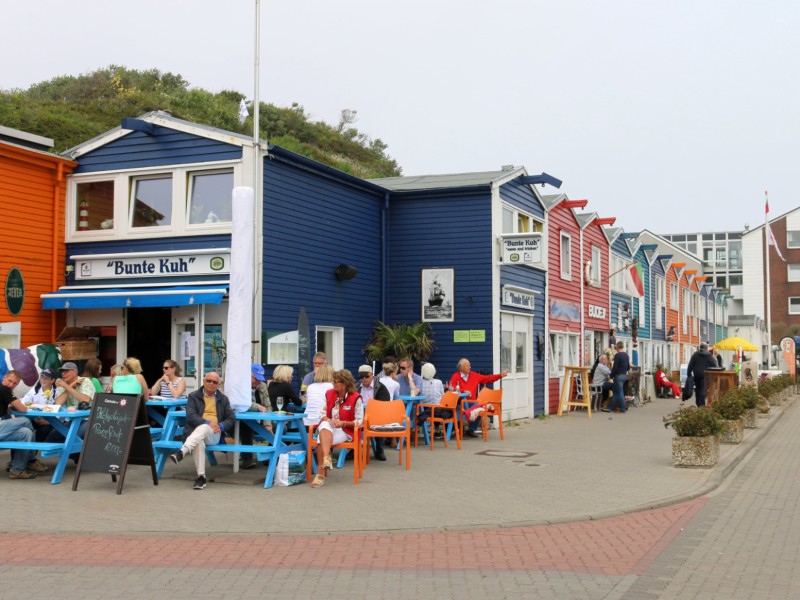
771, 235
635, 285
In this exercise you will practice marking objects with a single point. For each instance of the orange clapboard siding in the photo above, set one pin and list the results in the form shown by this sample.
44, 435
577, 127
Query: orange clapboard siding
32, 201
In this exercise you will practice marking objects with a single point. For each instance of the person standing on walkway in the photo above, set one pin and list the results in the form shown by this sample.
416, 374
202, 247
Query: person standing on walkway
619, 373
700, 361
208, 416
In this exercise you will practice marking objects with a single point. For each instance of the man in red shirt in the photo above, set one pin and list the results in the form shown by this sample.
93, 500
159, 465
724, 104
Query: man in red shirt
466, 380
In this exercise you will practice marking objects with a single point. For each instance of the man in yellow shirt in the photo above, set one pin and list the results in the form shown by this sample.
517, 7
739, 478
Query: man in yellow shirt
208, 416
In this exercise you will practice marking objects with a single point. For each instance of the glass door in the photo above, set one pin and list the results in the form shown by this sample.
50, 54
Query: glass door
516, 358
185, 321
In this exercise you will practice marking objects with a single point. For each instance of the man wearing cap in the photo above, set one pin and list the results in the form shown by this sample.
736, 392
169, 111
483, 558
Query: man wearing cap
16, 430
258, 403
372, 389
73, 390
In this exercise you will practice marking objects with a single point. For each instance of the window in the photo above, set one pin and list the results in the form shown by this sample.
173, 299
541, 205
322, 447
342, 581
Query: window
151, 202
508, 220
722, 282
674, 300
618, 278
566, 256
515, 221
597, 275
94, 204
794, 273
210, 197
793, 239
794, 305
734, 255
737, 279
563, 352
661, 295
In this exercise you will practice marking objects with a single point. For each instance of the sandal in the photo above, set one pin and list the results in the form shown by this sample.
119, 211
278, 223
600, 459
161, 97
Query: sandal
327, 465
319, 481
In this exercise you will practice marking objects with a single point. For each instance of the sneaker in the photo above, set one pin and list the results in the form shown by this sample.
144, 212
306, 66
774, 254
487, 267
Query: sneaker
36, 466
473, 416
438, 435
21, 475
381, 457
8, 466
199, 483
604, 409
469, 433
178, 457
247, 464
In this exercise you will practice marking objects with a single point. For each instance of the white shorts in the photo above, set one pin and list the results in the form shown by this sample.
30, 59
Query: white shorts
339, 435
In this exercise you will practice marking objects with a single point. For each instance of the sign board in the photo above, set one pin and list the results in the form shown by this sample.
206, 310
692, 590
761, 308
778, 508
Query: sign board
517, 297
118, 434
789, 356
461, 335
139, 264
523, 249
15, 291
596, 312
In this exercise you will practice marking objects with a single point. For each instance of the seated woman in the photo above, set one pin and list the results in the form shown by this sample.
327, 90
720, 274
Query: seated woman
281, 387
433, 390
91, 371
662, 381
170, 384
131, 380
316, 406
344, 412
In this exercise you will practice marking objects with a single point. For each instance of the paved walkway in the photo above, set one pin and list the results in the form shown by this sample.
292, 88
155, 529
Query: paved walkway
560, 509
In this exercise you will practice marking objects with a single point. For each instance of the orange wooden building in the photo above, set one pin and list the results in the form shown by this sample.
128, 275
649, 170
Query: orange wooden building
32, 198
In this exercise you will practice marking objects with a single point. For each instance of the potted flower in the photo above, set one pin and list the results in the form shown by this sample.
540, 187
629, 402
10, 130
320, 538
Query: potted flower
769, 389
749, 396
730, 407
696, 441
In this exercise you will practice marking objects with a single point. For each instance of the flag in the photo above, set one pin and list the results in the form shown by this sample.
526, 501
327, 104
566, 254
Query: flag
773, 242
242, 111
635, 285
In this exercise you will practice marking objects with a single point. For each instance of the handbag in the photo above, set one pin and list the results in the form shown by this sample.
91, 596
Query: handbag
688, 388
291, 468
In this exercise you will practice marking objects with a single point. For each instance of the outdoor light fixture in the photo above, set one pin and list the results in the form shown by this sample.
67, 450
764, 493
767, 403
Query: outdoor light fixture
345, 272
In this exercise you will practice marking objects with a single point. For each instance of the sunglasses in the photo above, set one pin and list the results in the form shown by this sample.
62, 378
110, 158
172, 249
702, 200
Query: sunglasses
364, 375
403, 368
167, 367
214, 381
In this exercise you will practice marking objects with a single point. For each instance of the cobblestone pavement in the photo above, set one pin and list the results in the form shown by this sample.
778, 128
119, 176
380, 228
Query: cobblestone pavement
740, 541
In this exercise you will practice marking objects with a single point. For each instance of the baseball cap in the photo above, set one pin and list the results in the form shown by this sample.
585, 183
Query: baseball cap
68, 366
258, 372
365, 369
49, 373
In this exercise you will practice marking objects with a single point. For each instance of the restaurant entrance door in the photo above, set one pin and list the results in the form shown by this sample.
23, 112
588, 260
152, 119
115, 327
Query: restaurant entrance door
516, 358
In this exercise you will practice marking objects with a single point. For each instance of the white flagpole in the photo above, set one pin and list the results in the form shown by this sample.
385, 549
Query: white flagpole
766, 254
258, 203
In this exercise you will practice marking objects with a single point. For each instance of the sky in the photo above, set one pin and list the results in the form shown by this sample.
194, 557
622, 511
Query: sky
672, 116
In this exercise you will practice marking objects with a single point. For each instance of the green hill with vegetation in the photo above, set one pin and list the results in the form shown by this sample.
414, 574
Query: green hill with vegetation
73, 109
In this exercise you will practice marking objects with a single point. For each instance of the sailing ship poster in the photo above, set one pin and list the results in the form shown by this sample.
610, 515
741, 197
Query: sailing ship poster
438, 290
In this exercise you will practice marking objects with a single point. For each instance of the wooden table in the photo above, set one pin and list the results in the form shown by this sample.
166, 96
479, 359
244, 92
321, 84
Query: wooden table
565, 400
717, 383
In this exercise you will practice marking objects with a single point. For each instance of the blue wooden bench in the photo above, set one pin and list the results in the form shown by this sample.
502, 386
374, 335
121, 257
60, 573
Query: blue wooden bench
47, 450
166, 447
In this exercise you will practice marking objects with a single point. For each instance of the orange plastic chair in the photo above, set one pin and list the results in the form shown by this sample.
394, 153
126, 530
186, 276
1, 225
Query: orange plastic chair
354, 445
494, 397
448, 402
379, 413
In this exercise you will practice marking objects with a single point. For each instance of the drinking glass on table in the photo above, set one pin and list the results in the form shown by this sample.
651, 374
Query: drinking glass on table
279, 403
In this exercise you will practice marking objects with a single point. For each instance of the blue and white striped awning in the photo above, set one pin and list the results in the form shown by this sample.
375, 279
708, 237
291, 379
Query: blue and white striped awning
134, 297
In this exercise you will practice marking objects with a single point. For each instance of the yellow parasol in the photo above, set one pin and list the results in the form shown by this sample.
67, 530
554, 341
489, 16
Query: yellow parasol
735, 343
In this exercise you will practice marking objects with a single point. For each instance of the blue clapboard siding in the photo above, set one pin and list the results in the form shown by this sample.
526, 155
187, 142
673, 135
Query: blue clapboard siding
186, 244
533, 279
521, 196
167, 147
646, 323
620, 248
315, 220
440, 230
657, 270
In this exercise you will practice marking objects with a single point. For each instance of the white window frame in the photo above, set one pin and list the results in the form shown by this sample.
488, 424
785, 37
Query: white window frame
565, 243
123, 184
536, 225
133, 181
789, 244
791, 277
661, 297
796, 311
617, 281
565, 345
597, 266
335, 353
674, 296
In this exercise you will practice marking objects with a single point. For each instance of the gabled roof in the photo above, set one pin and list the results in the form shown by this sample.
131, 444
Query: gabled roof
163, 119
449, 180
772, 220
550, 201
584, 219
612, 233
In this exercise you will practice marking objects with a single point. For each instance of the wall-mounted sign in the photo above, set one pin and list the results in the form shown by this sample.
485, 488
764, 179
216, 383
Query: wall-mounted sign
438, 286
469, 335
597, 312
517, 297
565, 310
15, 291
168, 264
522, 249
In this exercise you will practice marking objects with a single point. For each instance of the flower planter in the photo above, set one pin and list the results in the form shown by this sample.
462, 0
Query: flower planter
695, 451
751, 418
734, 433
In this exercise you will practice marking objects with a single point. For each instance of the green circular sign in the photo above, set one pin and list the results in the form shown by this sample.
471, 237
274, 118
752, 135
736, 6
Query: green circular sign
15, 291
217, 263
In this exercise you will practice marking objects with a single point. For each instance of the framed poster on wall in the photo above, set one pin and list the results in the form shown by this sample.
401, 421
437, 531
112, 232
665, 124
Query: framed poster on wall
438, 295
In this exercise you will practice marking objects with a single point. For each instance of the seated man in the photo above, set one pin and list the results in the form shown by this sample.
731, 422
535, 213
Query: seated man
602, 377
208, 416
662, 381
23, 462
72, 391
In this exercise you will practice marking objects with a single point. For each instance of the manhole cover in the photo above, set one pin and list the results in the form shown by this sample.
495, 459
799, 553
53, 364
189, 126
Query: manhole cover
506, 453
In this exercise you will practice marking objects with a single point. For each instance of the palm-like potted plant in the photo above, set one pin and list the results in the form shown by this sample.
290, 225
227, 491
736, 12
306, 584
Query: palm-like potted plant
400, 340
696, 441
730, 407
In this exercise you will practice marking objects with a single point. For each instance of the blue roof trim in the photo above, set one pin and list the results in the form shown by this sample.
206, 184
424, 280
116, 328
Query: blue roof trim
134, 297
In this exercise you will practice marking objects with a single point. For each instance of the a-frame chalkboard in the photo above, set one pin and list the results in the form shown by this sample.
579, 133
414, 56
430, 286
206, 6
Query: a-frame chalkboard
118, 434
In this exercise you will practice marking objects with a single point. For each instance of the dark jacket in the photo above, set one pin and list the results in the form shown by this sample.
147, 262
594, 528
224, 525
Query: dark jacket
622, 364
195, 406
379, 391
699, 362
282, 388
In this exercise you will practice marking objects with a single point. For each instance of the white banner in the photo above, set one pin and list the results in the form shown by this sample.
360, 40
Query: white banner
525, 249
154, 265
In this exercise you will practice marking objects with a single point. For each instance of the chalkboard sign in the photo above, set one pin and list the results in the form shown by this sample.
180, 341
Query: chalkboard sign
117, 434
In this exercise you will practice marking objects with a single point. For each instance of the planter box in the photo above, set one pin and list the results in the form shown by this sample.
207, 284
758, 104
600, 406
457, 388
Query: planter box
751, 418
735, 433
695, 451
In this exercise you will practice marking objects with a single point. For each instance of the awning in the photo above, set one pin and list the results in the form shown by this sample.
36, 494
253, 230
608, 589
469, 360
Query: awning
134, 297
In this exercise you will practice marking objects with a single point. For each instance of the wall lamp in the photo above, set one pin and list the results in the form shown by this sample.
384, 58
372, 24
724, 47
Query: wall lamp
345, 272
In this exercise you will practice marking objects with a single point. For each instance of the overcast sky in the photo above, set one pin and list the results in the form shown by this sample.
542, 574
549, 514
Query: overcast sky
669, 115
